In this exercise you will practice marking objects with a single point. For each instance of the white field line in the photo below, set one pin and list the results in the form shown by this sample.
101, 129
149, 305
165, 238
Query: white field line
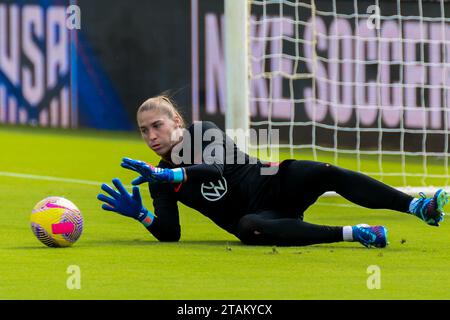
49, 178
331, 204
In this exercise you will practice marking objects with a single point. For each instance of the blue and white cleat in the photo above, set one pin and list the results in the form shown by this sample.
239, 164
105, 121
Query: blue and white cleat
370, 236
431, 210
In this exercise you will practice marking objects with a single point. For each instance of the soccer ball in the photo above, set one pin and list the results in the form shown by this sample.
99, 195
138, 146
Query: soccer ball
56, 222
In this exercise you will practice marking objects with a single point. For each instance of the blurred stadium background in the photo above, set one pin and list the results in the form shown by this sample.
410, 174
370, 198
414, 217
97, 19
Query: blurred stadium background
362, 84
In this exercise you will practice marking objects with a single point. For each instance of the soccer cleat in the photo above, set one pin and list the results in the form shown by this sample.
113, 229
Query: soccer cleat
431, 210
370, 236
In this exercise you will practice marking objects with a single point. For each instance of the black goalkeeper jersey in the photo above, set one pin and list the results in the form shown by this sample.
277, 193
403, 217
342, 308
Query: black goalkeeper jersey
223, 183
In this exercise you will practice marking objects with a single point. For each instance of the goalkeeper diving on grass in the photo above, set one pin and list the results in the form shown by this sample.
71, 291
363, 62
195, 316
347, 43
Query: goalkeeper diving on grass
259, 209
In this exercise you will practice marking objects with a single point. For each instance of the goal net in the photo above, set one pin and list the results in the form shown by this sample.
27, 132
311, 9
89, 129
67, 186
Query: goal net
360, 84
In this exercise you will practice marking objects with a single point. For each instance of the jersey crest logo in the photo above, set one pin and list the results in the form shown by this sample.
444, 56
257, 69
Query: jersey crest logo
213, 191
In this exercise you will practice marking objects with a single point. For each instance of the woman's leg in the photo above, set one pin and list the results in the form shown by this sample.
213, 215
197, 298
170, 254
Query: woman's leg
272, 228
308, 180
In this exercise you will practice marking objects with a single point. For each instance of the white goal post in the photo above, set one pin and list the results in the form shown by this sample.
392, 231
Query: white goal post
361, 84
236, 57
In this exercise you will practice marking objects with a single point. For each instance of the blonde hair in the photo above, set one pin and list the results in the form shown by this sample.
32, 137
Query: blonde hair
163, 104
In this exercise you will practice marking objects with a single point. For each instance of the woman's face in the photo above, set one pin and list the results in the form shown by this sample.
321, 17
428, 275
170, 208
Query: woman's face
158, 131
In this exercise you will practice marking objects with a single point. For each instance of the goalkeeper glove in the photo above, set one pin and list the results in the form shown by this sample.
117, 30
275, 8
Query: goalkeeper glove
129, 205
151, 174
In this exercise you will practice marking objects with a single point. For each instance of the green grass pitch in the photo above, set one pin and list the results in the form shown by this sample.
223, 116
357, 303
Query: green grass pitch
119, 259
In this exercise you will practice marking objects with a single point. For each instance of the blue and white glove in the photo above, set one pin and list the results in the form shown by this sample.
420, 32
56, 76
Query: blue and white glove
129, 205
151, 174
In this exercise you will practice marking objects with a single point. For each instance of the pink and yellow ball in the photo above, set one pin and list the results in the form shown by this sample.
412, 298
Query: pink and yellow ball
56, 222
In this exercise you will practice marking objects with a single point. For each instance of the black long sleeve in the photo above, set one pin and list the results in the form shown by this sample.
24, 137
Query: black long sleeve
166, 225
203, 172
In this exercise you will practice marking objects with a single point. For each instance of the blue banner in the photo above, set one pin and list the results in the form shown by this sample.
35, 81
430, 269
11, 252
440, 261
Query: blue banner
49, 75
